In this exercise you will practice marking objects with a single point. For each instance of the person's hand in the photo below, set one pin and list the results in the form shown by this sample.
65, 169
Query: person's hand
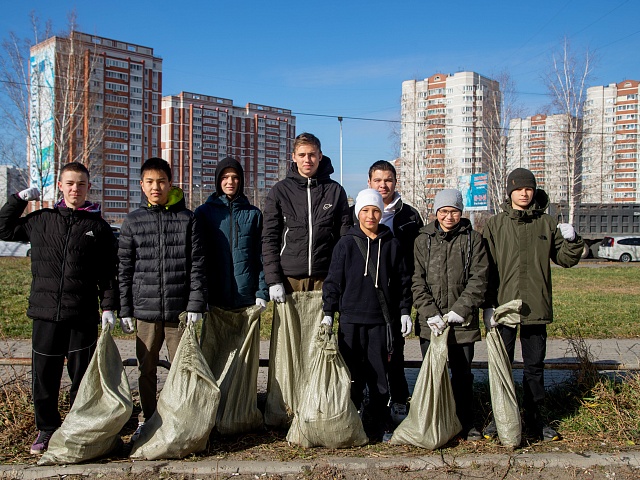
567, 231
126, 324
405, 320
327, 320
262, 303
489, 321
193, 317
276, 292
453, 317
436, 324
28, 194
108, 319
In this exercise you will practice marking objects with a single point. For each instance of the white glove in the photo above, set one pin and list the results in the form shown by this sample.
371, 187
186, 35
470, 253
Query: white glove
262, 303
567, 231
453, 317
31, 193
406, 325
108, 319
327, 320
276, 292
489, 321
126, 324
436, 325
193, 317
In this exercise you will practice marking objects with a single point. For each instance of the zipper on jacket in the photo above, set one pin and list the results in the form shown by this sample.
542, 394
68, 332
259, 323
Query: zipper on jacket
161, 234
232, 246
62, 267
284, 236
310, 223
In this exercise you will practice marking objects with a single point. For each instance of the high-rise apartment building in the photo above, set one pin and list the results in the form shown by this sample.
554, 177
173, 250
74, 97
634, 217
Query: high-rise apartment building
95, 100
446, 124
611, 168
199, 130
540, 143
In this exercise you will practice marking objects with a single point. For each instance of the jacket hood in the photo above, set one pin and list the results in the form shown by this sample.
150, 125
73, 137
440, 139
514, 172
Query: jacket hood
229, 162
175, 198
325, 169
538, 206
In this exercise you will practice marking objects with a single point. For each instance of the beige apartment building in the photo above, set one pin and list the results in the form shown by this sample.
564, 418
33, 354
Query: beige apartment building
199, 130
446, 120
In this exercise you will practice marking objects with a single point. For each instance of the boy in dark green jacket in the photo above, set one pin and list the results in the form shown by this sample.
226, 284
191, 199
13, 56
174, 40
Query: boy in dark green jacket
522, 241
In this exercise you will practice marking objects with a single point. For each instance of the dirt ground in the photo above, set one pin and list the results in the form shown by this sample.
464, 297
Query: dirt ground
477, 472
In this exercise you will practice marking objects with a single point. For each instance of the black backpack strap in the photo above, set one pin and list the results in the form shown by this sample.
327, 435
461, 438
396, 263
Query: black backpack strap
379, 292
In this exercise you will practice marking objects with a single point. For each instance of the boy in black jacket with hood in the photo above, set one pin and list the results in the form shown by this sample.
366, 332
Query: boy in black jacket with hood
368, 283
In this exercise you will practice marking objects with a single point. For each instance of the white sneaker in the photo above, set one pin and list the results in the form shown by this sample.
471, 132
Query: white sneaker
136, 434
398, 412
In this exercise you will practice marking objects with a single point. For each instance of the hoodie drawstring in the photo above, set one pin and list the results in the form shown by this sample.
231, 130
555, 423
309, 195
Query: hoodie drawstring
366, 263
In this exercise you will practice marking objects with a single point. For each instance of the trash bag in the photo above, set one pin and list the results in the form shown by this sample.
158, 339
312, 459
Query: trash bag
432, 419
187, 406
290, 353
230, 343
102, 407
504, 402
326, 416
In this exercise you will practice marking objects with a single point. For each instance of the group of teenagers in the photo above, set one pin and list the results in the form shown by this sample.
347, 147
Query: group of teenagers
373, 262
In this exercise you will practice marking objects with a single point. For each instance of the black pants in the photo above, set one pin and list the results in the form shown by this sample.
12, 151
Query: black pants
51, 343
364, 349
533, 339
398, 387
460, 358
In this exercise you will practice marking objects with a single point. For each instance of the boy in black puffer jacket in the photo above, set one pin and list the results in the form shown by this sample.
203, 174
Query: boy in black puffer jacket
369, 284
162, 274
73, 263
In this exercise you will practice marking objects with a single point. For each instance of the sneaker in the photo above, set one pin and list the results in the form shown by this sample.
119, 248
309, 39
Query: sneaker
473, 435
490, 431
40, 445
549, 434
398, 412
386, 438
136, 434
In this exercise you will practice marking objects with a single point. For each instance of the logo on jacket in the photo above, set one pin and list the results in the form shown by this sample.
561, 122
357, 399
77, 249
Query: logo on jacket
327, 206
89, 233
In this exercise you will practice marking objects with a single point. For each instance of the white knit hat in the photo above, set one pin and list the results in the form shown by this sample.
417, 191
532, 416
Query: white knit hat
368, 197
449, 197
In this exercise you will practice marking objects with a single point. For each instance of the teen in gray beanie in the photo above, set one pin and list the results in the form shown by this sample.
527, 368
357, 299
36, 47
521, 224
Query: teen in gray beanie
449, 197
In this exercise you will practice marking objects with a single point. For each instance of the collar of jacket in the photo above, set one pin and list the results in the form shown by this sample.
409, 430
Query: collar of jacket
240, 199
538, 205
325, 169
175, 200
395, 205
88, 206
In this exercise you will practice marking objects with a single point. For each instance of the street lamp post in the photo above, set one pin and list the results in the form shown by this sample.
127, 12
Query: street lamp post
340, 120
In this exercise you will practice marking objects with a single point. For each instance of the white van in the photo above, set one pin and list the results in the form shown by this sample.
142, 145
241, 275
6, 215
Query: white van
15, 249
623, 248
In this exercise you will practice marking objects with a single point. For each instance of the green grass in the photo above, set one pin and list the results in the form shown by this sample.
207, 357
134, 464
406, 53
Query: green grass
588, 302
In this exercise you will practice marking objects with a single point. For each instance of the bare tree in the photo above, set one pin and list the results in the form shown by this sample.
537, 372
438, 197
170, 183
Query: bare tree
500, 108
567, 81
51, 100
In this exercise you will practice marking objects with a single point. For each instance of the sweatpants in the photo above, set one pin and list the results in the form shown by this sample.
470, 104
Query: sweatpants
51, 343
398, 387
460, 358
364, 349
307, 284
533, 339
149, 338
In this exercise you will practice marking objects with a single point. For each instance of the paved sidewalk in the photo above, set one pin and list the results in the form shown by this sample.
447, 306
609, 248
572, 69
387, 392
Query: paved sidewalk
620, 351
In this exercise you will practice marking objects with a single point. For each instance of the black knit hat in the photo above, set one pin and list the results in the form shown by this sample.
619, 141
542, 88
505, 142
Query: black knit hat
520, 178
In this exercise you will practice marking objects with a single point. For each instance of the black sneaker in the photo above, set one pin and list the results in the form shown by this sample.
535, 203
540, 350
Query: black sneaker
473, 435
41, 443
490, 431
549, 434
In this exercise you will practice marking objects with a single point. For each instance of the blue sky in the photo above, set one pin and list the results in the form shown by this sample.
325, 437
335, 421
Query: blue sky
349, 58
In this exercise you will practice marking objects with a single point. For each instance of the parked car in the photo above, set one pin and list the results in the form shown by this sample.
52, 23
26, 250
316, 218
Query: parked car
15, 249
623, 248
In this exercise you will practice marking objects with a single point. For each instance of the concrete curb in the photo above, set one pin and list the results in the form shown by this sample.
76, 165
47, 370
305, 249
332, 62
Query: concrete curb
425, 462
